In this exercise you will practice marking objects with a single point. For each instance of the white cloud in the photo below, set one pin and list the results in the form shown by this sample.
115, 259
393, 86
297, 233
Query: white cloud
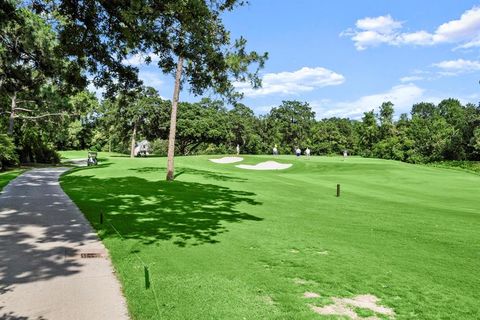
139, 59
411, 79
446, 68
287, 83
383, 24
464, 29
458, 66
402, 96
468, 45
384, 29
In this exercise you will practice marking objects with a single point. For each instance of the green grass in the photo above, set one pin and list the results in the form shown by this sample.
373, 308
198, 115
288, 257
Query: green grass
227, 243
471, 166
6, 176
83, 154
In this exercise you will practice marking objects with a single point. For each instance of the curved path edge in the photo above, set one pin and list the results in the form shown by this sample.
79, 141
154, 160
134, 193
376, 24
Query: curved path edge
44, 273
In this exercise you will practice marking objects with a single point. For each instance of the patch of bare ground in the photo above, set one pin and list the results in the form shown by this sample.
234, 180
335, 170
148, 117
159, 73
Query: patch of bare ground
303, 281
346, 307
311, 295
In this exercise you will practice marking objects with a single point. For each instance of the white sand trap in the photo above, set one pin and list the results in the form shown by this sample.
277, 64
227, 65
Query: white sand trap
346, 307
227, 160
267, 165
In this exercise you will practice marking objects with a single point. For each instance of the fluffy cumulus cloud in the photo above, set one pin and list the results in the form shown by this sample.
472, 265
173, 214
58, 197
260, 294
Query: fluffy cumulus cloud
373, 31
402, 96
288, 83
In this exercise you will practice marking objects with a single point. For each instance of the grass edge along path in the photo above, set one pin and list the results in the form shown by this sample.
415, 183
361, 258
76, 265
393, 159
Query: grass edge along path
222, 242
7, 176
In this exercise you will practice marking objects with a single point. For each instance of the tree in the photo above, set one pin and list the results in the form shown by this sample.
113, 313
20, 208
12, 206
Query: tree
475, 143
31, 67
431, 134
200, 123
385, 118
213, 61
132, 113
7, 152
293, 122
101, 34
333, 136
243, 129
368, 133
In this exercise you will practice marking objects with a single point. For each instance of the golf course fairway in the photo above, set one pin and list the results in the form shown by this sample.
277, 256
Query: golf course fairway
222, 242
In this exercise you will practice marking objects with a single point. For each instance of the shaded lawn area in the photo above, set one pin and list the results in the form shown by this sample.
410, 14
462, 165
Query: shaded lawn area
472, 166
7, 176
226, 243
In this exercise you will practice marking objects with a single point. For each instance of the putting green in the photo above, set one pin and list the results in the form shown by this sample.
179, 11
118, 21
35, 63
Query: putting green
226, 243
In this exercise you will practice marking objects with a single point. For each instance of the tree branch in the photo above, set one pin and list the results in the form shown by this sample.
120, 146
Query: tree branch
25, 101
43, 116
23, 109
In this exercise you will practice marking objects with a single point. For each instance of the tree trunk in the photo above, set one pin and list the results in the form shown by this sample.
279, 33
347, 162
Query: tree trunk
173, 121
132, 146
12, 114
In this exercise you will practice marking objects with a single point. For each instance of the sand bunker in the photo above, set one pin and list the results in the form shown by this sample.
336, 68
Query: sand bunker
227, 160
267, 165
346, 307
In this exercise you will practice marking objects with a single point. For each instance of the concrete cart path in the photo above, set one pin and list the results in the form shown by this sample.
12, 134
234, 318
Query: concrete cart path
44, 274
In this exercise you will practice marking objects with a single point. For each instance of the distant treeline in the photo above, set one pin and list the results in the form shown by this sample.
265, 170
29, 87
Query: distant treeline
447, 131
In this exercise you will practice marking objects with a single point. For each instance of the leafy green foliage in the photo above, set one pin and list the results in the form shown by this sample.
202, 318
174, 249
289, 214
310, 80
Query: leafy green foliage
7, 152
432, 133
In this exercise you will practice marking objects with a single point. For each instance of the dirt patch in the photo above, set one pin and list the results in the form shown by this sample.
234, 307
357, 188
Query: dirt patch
325, 252
311, 295
303, 281
227, 160
294, 251
346, 307
267, 165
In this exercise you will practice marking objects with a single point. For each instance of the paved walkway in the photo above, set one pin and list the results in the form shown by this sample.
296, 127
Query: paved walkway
42, 273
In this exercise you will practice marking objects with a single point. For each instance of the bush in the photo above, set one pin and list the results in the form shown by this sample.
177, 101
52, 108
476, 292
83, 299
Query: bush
8, 156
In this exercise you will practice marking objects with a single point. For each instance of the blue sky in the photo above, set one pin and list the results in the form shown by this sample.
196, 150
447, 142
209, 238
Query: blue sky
346, 57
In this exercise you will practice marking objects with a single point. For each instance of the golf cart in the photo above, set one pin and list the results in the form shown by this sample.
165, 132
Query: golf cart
92, 158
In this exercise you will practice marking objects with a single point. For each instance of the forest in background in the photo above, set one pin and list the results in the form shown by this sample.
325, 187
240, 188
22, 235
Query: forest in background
431, 132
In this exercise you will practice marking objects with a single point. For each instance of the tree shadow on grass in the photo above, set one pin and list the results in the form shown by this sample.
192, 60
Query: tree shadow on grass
184, 170
186, 213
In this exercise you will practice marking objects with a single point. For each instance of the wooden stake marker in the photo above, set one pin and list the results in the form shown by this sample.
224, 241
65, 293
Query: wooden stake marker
147, 277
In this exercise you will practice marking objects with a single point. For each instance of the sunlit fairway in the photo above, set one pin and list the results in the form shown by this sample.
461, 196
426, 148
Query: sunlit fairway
226, 243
